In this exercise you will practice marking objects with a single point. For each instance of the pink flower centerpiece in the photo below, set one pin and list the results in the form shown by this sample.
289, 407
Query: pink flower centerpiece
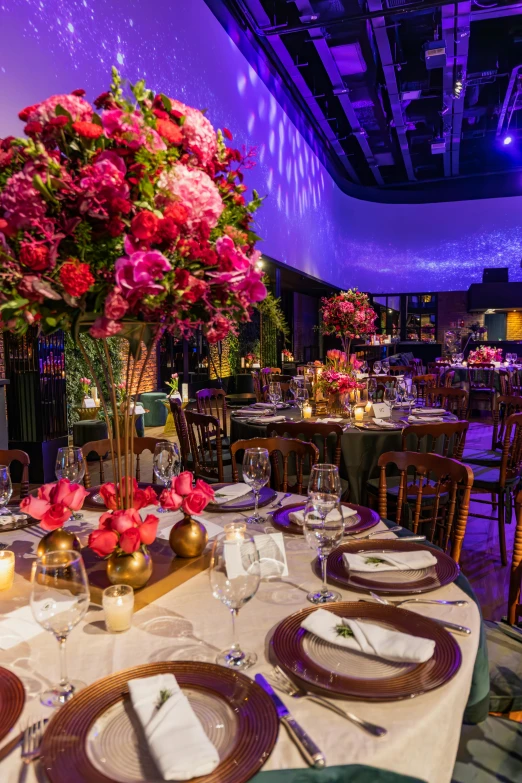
348, 315
54, 503
485, 354
188, 537
339, 378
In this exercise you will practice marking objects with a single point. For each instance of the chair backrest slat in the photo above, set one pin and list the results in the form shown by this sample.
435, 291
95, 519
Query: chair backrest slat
445, 437
311, 432
17, 455
206, 448
213, 402
279, 449
180, 424
104, 447
453, 400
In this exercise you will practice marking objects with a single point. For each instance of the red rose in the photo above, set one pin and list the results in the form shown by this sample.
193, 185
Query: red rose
109, 496
119, 204
148, 529
58, 122
55, 516
103, 542
115, 305
169, 131
115, 226
194, 503
26, 113
144, 225
122, 520
33, 128
170, 499
177, 212
167, 231
130, 541
205, 489
103, 101
80, 93
182, 278
36, 257
76, 278
227, 134
89, 130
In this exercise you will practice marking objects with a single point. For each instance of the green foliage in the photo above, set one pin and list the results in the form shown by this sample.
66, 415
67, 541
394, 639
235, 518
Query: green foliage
272, 312
234, 356
76, 368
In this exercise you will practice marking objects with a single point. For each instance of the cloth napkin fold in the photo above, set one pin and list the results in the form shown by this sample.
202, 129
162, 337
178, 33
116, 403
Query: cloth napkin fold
175, 737
268, 419
429, 411
384, 423
230, 492
269, 405
424, 419
369, 638
331, 420
250, 411
297, 516
392, 561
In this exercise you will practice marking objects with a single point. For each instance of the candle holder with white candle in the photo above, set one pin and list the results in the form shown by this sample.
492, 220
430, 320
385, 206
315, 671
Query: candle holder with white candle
7, 567
118, 604
235, 531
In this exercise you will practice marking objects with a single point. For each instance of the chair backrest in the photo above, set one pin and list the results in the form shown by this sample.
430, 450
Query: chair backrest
505, 405
430, 477
514, 385
267, 374
256, 378
416, 366
104, 447
447, 438
434, 368
16, 455
327, 437
481, 376
511, 462
449, 377
515, 577
400, 369
213, 402
280, 449
453, 400
205, 445
286, 394
423, 383
182, 432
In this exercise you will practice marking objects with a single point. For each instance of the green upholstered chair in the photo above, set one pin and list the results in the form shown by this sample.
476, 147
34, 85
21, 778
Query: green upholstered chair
157, 412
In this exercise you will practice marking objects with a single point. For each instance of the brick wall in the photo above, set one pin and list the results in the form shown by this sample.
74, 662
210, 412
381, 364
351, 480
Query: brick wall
452, 309
514, 326
149, 380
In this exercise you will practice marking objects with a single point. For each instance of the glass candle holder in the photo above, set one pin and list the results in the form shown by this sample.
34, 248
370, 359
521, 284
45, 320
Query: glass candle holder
235, 531
359, 413
307, 411
118, 604
7, 567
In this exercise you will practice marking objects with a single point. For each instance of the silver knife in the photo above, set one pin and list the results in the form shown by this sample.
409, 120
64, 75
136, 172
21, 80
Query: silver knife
312, 754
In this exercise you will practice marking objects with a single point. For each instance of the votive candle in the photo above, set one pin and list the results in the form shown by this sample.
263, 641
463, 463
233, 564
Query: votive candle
359, 413
7, 567
118, 604
368, 407
307, 411
235, 531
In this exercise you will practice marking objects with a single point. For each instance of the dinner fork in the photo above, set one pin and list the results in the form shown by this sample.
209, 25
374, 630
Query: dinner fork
283, 683
423, 601
32, 739
279, 503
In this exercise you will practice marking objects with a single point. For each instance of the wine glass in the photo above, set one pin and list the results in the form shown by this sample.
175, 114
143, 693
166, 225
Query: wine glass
411, 396
390, 394
364, 367
372, 389
256, 473
274, 394
385, 364
166, 464
377, 366
302, 398
296, 383
325, 479
70, 464
235, 573
324, 530
402, 389
6, 487
59, 600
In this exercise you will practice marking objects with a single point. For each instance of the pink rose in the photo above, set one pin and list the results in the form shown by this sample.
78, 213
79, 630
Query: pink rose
144, 497
109, 495
35, 507
205, 489
124, 519
148, 529
59, 490
194, 503
44, 492
170, 499
74, 499
115, 306
130, 541
55, 516
183, 483
103, 542
104, 327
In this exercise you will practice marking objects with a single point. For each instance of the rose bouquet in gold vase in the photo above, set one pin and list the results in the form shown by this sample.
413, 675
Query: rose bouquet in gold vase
338, 381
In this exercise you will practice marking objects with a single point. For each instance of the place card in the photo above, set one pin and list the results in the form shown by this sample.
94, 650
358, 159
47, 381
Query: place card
88, 402
380, 410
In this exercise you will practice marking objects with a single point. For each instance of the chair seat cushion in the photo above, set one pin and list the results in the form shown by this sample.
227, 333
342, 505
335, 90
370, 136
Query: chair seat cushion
482, 457
489, 478
392, 491
505, 670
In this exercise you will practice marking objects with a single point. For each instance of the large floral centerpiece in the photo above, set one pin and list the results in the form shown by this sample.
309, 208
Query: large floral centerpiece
126, 217
339, 378
485, 354
348, 315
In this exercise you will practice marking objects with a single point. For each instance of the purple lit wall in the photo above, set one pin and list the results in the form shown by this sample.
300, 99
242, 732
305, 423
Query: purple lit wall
50, 46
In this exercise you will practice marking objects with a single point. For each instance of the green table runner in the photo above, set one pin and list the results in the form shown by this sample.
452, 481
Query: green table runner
349, 773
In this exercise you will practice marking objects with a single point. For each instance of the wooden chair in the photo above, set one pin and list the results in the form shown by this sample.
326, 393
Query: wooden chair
213, 402
446, 438
322, 434
416, 366
505, 405
445, 483
455, 401
16, 455
103, 447
206, 446
267, 374
514, 381
448, 378
423, 383
502, 480
481, 379
280, 449
384, 381
256, 378
400, 369
180, 424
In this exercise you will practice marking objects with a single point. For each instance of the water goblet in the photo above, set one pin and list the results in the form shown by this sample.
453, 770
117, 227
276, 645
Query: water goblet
256, 473
372, 389
324, 530
302, 398
6, 486
390, 395
325, 479
70, 464
377, 366
166, 465
274, 394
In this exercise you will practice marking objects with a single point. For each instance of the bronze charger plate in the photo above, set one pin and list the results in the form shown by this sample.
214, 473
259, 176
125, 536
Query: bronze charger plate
367, 518
94, 502
390, 582
12, 699
97, 730
334, 669
243, 503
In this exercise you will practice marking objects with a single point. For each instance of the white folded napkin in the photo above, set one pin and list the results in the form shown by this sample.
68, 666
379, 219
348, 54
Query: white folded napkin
331, 420
424, 419
250, 411
391, 561
175, 737
230, 492
297, 516
384, 423
269, 405
429, 411
268, 419
369, 638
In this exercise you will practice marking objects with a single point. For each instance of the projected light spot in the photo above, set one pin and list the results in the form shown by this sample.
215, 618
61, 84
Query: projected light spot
261, 108
271, 141
251, 122
273, 110
507, 140
120, 58
70, 27
241, 83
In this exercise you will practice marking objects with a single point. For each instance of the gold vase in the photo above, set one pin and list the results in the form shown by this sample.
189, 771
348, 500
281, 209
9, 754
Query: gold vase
188, 538
335, 405
59, 539
134, 569
87, 414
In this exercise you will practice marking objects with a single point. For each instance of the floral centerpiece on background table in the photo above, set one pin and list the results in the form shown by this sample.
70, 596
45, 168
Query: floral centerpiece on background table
348, 315
338, 381
173, 384
485, 354
126, 217
288, 356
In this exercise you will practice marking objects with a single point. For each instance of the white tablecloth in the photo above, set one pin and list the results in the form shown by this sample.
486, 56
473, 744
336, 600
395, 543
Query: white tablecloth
188, 624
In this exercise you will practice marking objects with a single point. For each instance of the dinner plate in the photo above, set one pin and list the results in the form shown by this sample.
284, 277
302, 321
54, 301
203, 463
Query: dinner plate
243, 503
391, 582
364, 519
12, 698
14, 525
94, 501
95, 738
334, 669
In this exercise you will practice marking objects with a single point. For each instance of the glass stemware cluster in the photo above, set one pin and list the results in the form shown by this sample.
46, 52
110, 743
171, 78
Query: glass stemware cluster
323, 522
70, 464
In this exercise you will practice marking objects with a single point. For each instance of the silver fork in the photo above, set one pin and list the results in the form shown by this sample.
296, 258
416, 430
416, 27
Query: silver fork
389, 530
449, 626
421, 601
283, 683
32, 739
279, 503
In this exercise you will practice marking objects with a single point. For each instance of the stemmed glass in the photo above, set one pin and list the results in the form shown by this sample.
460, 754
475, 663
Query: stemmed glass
59, 600
6, 487
324, 530
70, 464
411, 397
377, 367
256, 473
372, 389
296, 384
166, 465
402, 390
325, 479
385, 364
302, 398
274, 394
364, 367
390, 395
235, 573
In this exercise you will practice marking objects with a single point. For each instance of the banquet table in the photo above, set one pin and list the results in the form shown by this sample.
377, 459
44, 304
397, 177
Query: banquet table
461, 375
360, 448
187, 623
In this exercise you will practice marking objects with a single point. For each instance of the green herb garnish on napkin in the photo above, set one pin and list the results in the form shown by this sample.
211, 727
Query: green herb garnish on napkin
373, 560
164, 695
344, 631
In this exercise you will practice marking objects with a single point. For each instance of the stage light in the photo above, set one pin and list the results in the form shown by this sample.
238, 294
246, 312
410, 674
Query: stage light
507, 140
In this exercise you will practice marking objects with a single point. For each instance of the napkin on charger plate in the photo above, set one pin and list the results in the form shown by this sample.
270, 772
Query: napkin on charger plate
430, 411
250, 411
269, 405
369, 638
424, 419
298, 516
392, 561
268, 419
175, 737
230, 492
384, 423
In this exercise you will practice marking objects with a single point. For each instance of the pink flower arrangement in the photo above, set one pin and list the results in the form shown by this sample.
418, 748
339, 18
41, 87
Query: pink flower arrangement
54, 503
86, 384
191, 500
340, 376
348, 315
485, 354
